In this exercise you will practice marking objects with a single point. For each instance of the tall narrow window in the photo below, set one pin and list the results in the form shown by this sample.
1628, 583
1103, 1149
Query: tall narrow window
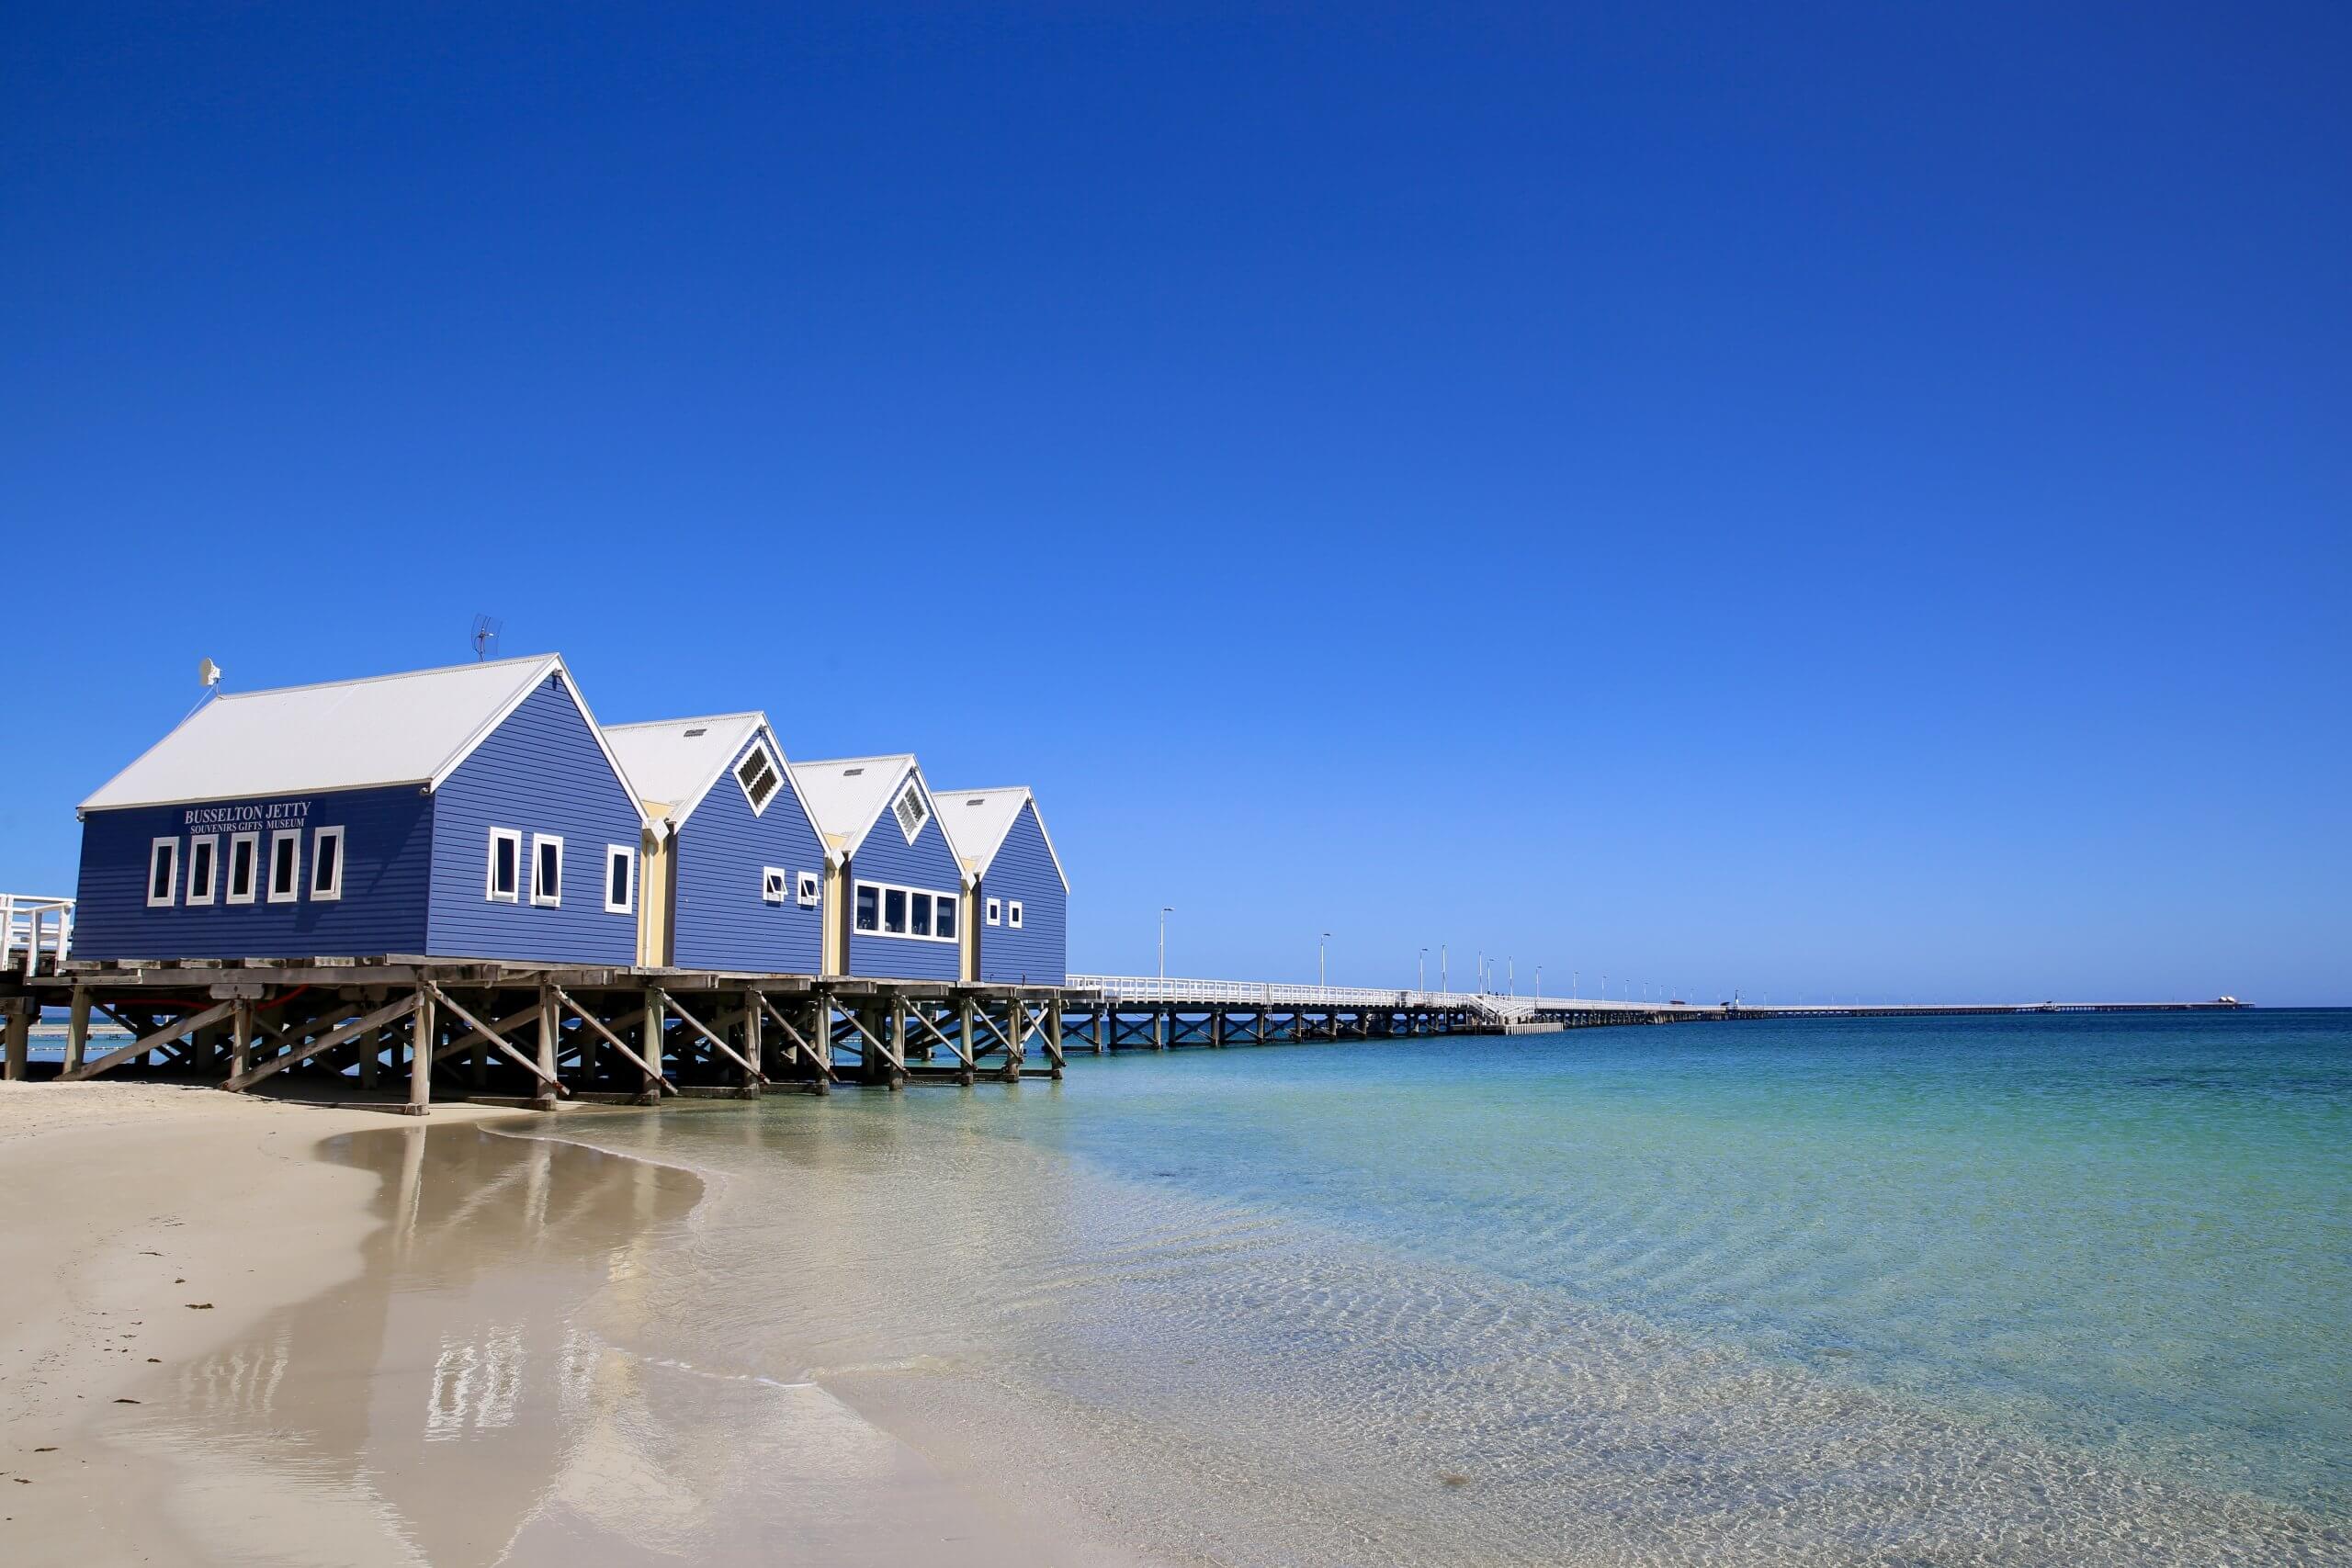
620, 879
869, 907
1012, 914
326, 865
203, 867
774, 880
162, 872
547, 869
920, 912
285, 865
244, 867
757, 775
996, 912
943, 920
504, 878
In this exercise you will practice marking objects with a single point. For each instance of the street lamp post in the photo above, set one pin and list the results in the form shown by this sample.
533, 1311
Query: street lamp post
1165, 910
1319, 944
1539, 982
1421, 974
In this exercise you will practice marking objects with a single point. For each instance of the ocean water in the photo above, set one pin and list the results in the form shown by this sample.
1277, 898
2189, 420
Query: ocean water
2051, 1290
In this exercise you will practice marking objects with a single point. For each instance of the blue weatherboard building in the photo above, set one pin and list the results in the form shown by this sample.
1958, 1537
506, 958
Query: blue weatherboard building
469, 812
733, 867
895, 886
1016, 904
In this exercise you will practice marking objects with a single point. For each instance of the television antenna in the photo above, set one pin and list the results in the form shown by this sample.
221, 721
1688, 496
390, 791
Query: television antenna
485, 638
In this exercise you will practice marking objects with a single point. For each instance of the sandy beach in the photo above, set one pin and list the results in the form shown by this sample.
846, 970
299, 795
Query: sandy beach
253, 1331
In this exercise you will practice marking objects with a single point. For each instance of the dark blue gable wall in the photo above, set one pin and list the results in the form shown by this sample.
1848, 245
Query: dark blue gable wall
927, 864
1038, 953
722, 922
387, 848
541, 772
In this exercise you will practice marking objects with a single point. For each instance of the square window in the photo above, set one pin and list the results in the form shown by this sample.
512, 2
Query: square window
244, 867
203, 867
869, 907
504, 877
942, 919
162, 872
547, 869
326, 865
620, 879
996, 912
811, 889
894, 911
773, 881
285, 865
1012, 914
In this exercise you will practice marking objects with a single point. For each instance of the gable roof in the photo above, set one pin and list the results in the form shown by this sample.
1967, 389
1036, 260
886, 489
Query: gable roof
976, 821
671, 764
414, 727
846, 795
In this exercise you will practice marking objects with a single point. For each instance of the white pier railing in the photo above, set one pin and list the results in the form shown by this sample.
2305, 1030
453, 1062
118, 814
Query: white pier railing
31, 927
1153, 988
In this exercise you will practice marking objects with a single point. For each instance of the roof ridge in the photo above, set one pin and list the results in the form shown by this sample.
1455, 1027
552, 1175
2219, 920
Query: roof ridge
877, 757
689, 719
395, 675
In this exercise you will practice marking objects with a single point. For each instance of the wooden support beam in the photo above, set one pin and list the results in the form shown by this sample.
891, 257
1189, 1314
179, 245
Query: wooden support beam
929, 1029
495, 1036
753, 1046
423, 1032
141, 1046
19, 1030
1053, 1035
302, 1054
476, 1032
550, 1027
655, 1028
823, 1063
241, 1036
612, 1040
77, 1029
661, 998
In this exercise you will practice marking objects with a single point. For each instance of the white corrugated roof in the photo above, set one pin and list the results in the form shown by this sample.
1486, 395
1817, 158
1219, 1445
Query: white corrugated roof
977, 819
671, 762
387, 729
846, 794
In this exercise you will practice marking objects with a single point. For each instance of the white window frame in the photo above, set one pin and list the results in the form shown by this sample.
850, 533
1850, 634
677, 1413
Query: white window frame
161, 848
489, 867
914, 787
882, 891
629, 887
810, 890
954, 908
546, 900
996, 911
211, 843
775, 770
285, 840
775, 885
230, 895
1012, 913
333, 892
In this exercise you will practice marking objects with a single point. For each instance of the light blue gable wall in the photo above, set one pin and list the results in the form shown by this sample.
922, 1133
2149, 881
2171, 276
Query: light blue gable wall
542, 772
927, 864
1038, 953
720, 920
387, 848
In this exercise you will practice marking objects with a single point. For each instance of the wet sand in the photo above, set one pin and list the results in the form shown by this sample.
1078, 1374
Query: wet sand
245, 1331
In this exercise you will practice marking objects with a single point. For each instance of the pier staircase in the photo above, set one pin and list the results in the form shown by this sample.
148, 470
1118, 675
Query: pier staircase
35, 933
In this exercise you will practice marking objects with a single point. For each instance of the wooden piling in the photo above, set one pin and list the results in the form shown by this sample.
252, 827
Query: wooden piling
420, 1054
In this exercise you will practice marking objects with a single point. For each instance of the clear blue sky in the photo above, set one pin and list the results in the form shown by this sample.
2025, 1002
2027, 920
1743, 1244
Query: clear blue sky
1849, 499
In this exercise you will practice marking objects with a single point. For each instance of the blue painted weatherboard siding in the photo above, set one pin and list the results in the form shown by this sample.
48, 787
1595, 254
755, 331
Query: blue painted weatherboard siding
1038, 953
387, 851
541, 772
927, 864
720, 920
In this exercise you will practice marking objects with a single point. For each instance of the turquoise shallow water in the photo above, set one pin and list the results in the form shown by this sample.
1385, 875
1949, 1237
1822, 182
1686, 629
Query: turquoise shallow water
2057, 1289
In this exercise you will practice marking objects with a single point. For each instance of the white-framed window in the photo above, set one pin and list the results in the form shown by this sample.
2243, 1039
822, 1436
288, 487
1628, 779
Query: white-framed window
758, 774
810, 890
503, 878
244, 867
881, 910
620, 879
1012, 913
547, 869
912, 810
774, 880
996, 911
203, 867
162, 872
285, 865
326, 865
